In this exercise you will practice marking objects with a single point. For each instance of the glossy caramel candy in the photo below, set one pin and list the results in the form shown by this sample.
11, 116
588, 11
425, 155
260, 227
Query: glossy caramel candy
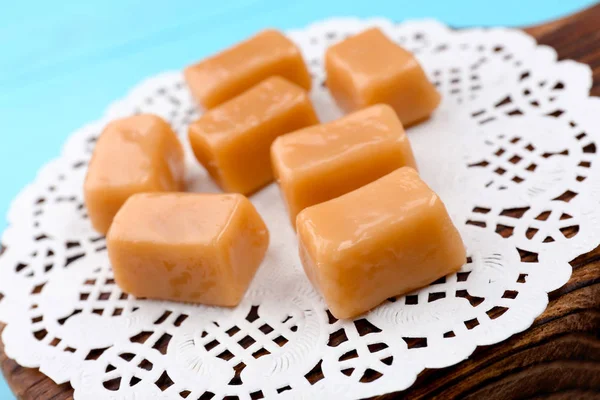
385, 239
369, 68
325, 161
199, 248
232, 141
132, 155
231, 72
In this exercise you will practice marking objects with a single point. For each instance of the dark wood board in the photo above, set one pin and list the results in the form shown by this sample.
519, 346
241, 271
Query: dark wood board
557, 358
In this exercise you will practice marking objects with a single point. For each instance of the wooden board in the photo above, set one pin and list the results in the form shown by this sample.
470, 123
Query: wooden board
557, 358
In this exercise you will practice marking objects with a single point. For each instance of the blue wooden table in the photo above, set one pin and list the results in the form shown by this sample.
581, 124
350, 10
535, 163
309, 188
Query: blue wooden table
63, 62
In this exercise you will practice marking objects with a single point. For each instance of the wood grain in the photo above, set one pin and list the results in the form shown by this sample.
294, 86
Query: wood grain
557, 358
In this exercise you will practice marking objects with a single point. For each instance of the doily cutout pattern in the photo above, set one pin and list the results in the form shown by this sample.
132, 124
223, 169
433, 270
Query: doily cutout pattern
512, 150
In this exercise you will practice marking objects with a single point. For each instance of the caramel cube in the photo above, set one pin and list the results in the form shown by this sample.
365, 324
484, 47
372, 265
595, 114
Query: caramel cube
323, 162
132, 155
231, 72
385, 239
233, 140
200, 248
369, 68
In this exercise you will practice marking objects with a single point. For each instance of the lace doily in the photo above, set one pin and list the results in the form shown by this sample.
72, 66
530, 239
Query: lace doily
511, 150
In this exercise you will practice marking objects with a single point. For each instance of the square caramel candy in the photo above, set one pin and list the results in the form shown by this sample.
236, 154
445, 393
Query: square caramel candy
233, 141
385, 239
231, 72
199, 248
369, 68
132, 155
325, 161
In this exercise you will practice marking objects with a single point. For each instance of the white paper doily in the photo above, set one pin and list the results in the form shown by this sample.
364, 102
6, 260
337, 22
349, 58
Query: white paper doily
511, 149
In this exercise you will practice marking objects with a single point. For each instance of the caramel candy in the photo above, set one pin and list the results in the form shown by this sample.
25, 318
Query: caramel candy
385, 239
322, 162
200, 248
132, 155
369, 68
231, 72
232, 141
